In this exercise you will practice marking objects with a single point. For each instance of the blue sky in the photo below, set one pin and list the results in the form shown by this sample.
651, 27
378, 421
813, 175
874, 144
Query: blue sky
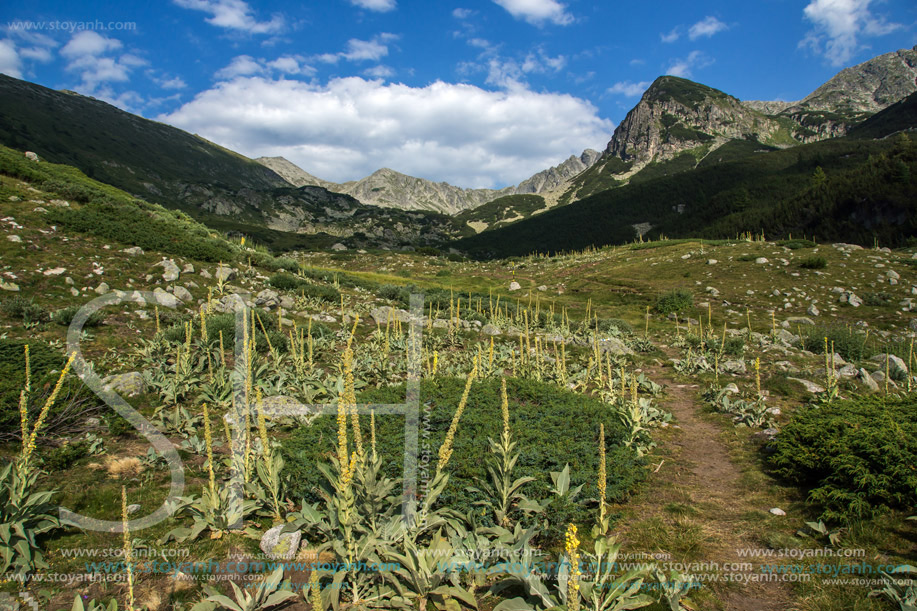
478, 93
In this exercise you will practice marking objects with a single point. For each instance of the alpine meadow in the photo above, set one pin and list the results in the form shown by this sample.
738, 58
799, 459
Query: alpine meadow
673, 374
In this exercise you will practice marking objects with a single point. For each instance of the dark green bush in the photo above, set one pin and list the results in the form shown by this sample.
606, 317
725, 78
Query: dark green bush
64, 457
677, 300
877, 299
552, 427
746, 258
73, 404
64, 316
613, 325
288, 282
847, 342
24, 309
796, 244
857, 457
145, 225
814, 262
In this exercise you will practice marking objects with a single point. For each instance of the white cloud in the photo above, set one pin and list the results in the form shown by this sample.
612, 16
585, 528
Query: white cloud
379, 71
838, 25
39, 54
365, 50
88, 42
173, 83
537, 12
10, 63
233, 15
289, 64
243, 65
462, 13
706, 27
628, 89
86, 54
380, 6
672, 36
350, 127
684, 66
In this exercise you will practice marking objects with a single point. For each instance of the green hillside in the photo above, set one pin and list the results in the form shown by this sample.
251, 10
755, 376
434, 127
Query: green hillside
867, 193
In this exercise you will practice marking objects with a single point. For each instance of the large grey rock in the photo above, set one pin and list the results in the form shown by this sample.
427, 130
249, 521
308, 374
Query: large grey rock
170, 271
793, 321
736, 367
182, 293
491, 329
267, 297
866, 379
133, 251
128, 384
338, 247
896, 366
224, 273
9, 286
613, 345
382, 315
280, 546
165, 299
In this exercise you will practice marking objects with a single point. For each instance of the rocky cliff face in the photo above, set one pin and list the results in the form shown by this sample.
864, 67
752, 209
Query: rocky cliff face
390, 189
850, 97
675, 115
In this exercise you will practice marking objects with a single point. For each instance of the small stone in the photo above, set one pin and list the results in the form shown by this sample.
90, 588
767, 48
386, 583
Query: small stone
712, 261
187, 269
735, 367
761, 260
867, 379
31, 156
777, 511
811, 387
854, 301
542, 288
338, 247
170, 271
14, 238
812, 310
133, 508
225, 274
514, 286
9, 286
57, 271
182, 293
102, 289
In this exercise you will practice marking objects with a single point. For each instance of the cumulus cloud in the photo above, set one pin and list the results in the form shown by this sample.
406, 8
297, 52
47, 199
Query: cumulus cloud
462, 13
685, 66
87, 53
380, 6
243, 65
628, 89
706, 27
10, 64
173, 83
233, 15
379, 71
88, 42
350, 127
838, 26
537, 12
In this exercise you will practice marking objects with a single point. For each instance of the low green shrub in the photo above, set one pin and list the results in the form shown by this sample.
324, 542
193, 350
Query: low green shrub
24, 309
814, 262
288, 282
674, 301
64, 316
541, 416
857, 457
74, 403
847, 342
796, 244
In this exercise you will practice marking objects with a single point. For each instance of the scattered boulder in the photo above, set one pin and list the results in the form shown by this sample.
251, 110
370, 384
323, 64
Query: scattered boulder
170, 271
102, 289
225, 273
187, 269
812, 311
182, 293
761, 260
613, 345
812, 387
514, 286
165, 299
896, 366
867, 379
491, 329
338, 247
777, 511
280, 545
735, 367
14, 238
31, 156
57, 271
133, 251
9, 286
128, 384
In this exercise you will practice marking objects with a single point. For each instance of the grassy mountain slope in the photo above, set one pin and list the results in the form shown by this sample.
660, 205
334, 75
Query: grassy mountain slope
868, 191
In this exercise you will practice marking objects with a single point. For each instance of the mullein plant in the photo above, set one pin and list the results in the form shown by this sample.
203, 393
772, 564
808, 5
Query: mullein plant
128, 551
24, 513
501, 490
